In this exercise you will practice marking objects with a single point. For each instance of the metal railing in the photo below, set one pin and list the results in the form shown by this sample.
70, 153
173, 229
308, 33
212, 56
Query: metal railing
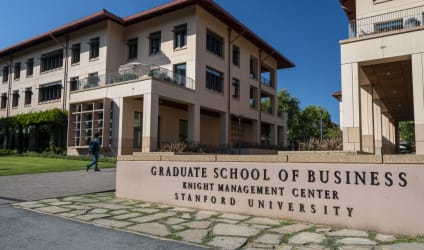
266, 82
137, 72
392, 21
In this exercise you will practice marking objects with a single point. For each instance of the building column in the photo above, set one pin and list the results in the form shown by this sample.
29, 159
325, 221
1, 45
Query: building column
350, 105
256, 135
418, 93
273, 135
194, 124
121, 125
224, 133
378, 137
367, 119
150, 122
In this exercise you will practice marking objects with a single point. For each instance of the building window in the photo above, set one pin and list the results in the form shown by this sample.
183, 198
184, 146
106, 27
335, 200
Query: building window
236, 55
132, 48
28, 96
94, 48
76, 53
180, 36
180, 73
49, 92
253, 97
15, 98
183, 130
93, 79
30, 67
17, 73
236, 88
154, 43
52, 60
138, 128
74, 82
214, 43
5, 74
3, 103
214, 79
253, 68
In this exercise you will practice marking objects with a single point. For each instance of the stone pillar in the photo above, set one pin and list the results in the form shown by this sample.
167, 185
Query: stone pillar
378, 138
367, 119
255, 133
194, 124
273, 135
150, 122
121, 124
224, 133
418, 93
350, 106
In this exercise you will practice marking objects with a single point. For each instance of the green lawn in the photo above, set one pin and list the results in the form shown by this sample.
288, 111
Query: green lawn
14, 165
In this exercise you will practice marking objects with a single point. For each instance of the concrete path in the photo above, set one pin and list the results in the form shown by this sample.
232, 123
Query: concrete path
212, 229
22, 229
48, 185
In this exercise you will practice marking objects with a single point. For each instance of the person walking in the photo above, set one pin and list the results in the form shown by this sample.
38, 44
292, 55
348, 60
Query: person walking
93, 149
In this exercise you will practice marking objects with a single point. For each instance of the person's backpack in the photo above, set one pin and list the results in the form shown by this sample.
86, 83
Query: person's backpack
93, 147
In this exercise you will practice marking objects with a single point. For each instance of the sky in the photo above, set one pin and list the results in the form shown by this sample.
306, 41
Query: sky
306, 32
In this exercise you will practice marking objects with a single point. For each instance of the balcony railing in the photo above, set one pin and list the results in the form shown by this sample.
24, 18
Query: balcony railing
392, 21
266, 82
138, 72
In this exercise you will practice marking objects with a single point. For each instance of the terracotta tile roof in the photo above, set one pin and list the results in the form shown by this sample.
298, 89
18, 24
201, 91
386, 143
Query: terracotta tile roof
208, 5
349, 6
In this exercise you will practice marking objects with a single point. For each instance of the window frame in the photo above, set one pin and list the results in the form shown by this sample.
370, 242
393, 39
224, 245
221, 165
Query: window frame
54, 92
180, 78
28, 96
214, 80
17, 71
51, 61
94, 51
3, 101
236, 84
215, 43
155, 39
132, 45
5, 77
15, 98
236, 55
75, 53
180, 36
30, 65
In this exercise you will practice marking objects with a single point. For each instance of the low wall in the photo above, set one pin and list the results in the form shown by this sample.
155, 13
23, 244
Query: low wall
383, 197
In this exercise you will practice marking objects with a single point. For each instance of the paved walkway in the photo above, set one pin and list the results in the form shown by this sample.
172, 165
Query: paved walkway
211, 229
48, 185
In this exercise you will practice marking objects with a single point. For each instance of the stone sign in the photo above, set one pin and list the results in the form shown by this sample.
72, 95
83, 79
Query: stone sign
384, 198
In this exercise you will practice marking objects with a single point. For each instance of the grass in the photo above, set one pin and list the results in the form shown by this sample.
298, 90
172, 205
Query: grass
16, 165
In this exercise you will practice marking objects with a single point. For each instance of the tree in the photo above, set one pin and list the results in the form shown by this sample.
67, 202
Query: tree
407, 132
290, 105
311, 118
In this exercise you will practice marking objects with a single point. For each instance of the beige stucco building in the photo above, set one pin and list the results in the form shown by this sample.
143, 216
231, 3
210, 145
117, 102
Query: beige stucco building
184, 71
382, 74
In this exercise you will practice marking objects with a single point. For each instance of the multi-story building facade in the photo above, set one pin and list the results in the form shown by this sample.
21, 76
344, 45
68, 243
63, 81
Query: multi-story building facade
184, 71
382, 74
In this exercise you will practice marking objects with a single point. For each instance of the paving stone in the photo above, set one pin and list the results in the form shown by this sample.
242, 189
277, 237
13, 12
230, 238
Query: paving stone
99, 211
262, 245
202, 215
177, 227
233, 216
186, 216
173, 221
152, 228
112, 223
227, 221
311, 247
357, 247
89, 217
153, 217
193, 235
203, 224
257, 226
306, 238
385, 237
272, 239
60, 203
67, 215
348, 233
234, 230
182, 209
49, 200
126, 216
79, 207
226, 242
53, 209
322, 230
262, 221
356, 241
146, 210
71, 198
118, 212
109, 206
80, 212
145, 204
86, 200
284, 247
290, 228
30, 204
404, 246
